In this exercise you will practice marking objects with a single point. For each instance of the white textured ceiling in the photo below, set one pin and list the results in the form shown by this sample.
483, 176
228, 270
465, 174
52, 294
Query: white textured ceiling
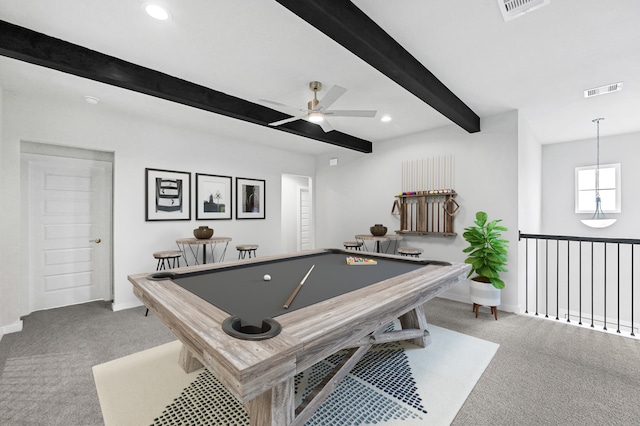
539, 63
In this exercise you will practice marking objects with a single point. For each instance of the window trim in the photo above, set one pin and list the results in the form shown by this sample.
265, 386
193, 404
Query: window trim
618, 193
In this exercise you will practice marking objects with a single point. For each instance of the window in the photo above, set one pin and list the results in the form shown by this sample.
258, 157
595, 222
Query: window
609, 177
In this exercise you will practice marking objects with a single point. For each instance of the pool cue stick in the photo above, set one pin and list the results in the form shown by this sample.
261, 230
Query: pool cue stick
425, 187
451, 172
295, 292
446, 174
403, 225
410, 189
438, 221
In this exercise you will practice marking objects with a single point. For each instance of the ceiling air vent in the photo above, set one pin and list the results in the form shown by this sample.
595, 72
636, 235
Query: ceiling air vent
603, 90
514, 8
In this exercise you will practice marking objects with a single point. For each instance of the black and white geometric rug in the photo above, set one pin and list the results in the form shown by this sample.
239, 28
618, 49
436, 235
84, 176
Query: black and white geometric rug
393, 384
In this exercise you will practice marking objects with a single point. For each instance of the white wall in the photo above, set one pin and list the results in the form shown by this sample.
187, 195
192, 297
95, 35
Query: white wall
529, 179
10, 246
9, 321
529, 194
136, 143
360, 191
558, 183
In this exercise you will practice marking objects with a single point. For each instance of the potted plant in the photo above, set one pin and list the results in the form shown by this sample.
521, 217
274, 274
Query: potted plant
488, 258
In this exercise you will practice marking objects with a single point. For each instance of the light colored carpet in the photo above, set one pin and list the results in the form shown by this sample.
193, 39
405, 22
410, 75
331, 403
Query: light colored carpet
395, 384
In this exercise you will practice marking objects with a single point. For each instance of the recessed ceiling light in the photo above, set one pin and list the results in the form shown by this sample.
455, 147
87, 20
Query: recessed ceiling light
91, 100
385, 118
156, 12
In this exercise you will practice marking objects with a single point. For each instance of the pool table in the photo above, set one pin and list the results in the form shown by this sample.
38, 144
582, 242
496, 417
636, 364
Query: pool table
233, 321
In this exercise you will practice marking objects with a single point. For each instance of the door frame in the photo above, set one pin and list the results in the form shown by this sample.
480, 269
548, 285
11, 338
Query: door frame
290, 210
43, 149
299, 191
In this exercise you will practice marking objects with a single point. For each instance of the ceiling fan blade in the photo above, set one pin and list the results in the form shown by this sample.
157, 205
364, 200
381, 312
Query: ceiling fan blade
325, 126
267, 101
351, 113
332, 95
288, 109
286, 120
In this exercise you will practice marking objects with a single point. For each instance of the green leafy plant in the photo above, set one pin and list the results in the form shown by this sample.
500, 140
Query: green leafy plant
487, 250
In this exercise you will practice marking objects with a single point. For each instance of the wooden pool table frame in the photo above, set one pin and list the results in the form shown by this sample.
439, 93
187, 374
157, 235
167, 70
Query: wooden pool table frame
261, 373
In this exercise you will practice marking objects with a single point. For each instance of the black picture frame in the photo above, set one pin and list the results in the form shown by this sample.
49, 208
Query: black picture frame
167, 195
250, 198
214, 197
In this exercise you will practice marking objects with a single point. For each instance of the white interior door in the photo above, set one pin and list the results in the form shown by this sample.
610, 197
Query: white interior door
70, 230
305, 230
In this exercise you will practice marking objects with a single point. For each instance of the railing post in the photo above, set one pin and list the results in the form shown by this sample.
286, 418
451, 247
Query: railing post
605, 287
546, 278
592, 285
580, 284
526, 276
557, 279
537, 268
618, 330
632, 285
568, 281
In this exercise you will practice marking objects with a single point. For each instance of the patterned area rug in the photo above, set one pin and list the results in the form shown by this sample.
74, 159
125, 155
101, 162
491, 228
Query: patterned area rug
393, 384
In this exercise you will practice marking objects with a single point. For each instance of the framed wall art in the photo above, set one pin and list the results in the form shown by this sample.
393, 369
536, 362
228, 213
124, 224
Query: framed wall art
167, 195
213, 197
250, 198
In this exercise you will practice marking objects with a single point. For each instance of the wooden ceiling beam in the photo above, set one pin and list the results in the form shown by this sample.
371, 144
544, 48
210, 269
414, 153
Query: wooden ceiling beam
29, 46
354, 30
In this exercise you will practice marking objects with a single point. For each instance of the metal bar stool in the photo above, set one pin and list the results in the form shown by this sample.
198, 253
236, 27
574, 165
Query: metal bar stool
244, 249
166, 256
410, 251
352, 245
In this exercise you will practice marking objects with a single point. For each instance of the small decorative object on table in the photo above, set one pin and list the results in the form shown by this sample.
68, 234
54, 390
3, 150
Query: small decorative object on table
360, 261
203, 232
378, 230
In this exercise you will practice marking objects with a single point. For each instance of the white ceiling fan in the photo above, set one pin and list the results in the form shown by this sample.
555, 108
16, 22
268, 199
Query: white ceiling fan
316, 111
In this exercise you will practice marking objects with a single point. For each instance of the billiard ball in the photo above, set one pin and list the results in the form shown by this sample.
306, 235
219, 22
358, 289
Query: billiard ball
267, 277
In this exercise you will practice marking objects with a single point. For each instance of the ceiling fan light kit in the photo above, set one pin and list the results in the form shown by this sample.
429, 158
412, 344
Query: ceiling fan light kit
315, 117
316, 111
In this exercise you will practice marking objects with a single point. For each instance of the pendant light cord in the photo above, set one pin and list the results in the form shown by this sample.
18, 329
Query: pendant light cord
597, 121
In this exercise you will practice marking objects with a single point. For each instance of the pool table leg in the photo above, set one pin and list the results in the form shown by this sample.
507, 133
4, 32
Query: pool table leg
187, 361
273, 407
416, 319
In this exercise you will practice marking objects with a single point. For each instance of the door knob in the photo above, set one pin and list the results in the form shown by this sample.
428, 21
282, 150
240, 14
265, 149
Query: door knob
97, 241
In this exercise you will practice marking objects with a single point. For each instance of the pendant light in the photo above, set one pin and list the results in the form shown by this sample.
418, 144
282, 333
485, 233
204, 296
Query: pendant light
598, 220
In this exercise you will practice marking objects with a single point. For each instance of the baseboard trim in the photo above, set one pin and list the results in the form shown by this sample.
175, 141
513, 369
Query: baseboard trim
466, 299
11, 328
122, 306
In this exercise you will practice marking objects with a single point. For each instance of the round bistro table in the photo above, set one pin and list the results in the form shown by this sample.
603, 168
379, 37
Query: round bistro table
377, 240
194, 245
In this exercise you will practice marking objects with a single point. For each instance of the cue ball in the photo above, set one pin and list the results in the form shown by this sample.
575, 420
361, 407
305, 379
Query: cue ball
267, 277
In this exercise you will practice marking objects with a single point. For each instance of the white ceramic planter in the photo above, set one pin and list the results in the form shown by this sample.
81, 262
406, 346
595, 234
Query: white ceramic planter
484, 294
